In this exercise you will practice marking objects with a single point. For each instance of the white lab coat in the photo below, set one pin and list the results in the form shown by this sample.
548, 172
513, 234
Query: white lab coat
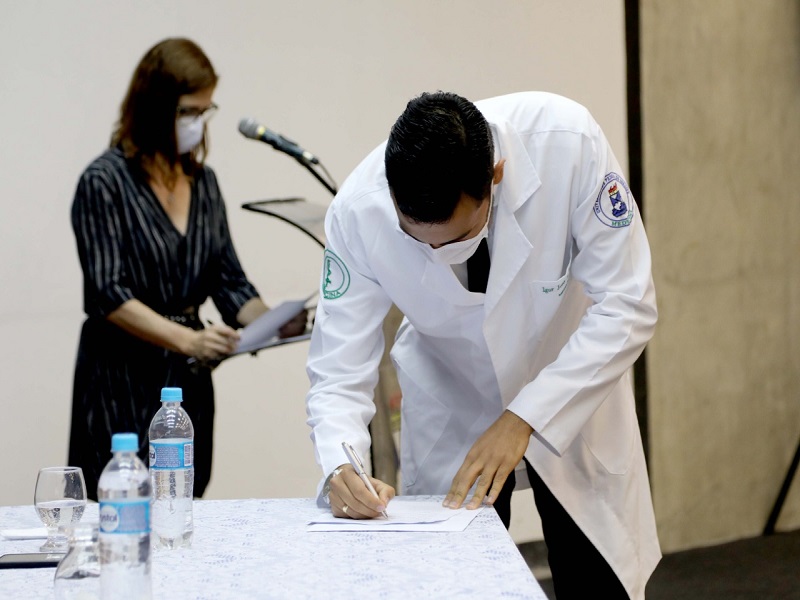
569, 306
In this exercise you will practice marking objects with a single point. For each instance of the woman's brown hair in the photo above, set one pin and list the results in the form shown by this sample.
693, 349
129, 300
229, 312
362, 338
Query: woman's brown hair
146, 127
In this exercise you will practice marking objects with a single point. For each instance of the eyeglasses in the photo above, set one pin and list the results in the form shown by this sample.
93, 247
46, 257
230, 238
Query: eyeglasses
195, 112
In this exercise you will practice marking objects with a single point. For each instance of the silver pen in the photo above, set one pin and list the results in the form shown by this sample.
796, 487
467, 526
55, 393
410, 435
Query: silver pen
354, 459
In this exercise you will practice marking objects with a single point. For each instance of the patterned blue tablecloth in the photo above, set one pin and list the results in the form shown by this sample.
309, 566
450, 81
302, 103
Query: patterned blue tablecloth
260, 549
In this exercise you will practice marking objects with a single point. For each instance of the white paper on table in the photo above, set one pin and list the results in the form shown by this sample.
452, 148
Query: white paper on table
31, 533
266, 327
404, 515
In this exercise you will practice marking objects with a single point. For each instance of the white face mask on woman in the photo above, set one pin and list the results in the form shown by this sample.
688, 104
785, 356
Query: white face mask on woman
189, 132
456, 253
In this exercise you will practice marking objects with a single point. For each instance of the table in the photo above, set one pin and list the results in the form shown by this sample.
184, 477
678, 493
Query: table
247, 549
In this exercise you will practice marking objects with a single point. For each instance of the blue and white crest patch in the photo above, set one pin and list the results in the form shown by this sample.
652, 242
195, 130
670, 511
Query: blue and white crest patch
614, 205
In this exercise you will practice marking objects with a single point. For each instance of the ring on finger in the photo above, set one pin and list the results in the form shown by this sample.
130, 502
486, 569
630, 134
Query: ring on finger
344, 509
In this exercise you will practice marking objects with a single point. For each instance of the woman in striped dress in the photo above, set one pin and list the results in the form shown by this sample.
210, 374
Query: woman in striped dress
154, 244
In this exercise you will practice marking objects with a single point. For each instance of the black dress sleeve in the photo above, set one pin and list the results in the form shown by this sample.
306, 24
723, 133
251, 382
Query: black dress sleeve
97, 228
233, 289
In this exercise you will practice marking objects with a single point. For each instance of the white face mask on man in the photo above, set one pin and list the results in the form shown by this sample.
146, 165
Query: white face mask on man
189, 132
456, 253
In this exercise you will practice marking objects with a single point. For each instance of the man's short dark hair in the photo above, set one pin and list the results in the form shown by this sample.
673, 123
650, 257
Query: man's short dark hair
440, 148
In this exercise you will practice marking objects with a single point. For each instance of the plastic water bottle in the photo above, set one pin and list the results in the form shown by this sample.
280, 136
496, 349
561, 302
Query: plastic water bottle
172, 472
124, 494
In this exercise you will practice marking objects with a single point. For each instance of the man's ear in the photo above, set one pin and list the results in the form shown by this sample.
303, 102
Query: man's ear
498, 171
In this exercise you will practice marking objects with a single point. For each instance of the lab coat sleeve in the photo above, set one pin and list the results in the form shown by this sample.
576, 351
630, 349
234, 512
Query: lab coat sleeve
347, 344
613, 264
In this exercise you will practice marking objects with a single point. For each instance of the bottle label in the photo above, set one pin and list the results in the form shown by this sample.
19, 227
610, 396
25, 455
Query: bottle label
171, 455
125, 516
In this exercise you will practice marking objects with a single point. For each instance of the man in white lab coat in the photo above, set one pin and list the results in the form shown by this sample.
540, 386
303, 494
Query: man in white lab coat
506, 234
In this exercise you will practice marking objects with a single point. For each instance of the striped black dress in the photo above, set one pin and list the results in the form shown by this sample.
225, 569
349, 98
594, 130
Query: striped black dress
129, 248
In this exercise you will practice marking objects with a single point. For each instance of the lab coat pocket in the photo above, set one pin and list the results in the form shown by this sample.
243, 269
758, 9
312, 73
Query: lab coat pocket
547, 297
610, 432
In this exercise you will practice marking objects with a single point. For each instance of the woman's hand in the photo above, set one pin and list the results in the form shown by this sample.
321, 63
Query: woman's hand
297, 326
254, 308
212, 343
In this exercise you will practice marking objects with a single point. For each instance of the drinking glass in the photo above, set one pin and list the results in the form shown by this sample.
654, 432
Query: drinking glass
78, 574
60, 499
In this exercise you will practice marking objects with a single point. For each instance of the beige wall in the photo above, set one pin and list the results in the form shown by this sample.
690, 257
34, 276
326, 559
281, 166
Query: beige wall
332, 75
721, 112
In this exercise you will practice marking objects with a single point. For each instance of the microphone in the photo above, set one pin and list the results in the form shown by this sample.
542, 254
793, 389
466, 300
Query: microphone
250, 128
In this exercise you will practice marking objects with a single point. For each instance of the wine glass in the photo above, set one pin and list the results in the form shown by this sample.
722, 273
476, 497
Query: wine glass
60, 499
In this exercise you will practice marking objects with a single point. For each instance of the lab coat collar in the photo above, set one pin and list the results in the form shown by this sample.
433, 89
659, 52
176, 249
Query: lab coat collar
510, 246
441, 280
520, 179
510, 250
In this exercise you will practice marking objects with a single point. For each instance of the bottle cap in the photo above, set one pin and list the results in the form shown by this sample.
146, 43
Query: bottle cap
171, 395
124, 442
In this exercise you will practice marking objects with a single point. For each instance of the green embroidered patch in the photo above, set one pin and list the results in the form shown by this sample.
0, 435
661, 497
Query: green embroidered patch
335, 277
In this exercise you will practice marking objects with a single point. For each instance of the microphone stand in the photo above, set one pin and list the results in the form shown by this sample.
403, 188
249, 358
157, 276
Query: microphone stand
386, 442
330, 185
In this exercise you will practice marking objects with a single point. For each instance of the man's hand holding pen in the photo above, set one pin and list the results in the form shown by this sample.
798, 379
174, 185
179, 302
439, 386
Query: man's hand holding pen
352, 499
